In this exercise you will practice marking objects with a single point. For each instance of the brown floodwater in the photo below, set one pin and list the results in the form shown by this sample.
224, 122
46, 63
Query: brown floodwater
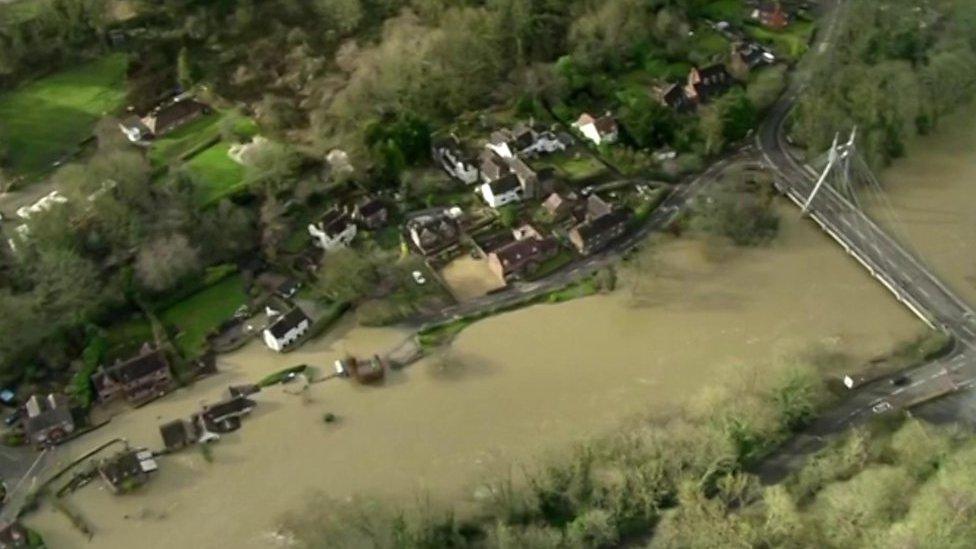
930, 201
511, 390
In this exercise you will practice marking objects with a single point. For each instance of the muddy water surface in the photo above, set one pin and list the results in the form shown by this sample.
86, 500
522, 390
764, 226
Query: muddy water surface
930, 201
512, 389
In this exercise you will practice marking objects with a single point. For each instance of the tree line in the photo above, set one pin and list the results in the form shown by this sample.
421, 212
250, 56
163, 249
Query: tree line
122, 238
894, 69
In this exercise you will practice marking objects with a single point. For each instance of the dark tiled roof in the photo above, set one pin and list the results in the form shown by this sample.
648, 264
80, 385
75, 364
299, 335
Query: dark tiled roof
371, 206
514, 256
49, 415
234, 406
602, 224
605, 125
492, 165
121, 467
596, 207
287, 322
149, 362
334, 221
174, 433
505, 184
174, 113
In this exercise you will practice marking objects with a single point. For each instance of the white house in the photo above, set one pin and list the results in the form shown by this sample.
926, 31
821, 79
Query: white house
598, 130
499, 145
44, 204
335, 230
504, 190
449, 155
285, 330
545, 143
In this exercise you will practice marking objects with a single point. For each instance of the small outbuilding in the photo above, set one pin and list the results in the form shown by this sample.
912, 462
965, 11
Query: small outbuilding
225, 416
128, 470
178, 434
286, 329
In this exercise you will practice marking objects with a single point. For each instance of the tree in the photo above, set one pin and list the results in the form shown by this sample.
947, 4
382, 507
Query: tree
342, 16
67, 288
728, 119
397, 141
19, 315
185, 70
165, 261
766, 87
273, 165
648, 123
4, 147
347, 275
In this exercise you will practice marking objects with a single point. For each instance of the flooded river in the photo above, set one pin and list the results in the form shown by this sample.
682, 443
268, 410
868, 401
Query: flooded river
511, 390
931, 201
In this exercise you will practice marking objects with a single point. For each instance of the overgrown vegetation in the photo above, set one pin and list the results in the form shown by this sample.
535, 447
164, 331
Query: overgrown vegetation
741, 209
891, 485
617, 489
895, 68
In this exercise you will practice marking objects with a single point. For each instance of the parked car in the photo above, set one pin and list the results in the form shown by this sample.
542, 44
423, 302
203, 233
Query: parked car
12, 419
418, 277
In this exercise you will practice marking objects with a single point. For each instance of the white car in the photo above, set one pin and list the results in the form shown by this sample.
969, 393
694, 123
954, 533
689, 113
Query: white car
881, 407
418, 277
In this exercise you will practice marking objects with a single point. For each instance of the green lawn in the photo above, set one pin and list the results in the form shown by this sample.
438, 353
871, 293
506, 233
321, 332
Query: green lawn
792, 42
18, 11
670, 72
169, 147
202, 312
708, 43
198, 133
46, 119
733, 11
580, 169
217, 175
124, 339
553, 264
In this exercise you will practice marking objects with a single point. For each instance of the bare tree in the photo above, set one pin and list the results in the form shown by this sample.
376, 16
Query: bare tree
165, 261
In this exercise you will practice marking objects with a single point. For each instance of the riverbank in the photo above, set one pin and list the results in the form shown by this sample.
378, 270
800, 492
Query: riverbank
928, 198
510, 391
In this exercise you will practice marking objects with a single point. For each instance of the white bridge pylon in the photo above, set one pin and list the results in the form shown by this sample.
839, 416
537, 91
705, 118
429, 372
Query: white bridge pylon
838, 159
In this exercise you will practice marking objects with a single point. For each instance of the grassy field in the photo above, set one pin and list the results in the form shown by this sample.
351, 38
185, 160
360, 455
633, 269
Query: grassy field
204, 311
726, 10
217, 175
45, 120
792, 42
659, 68
169, 147
580, 169
183, 141
18, 11
708, 43
124, 338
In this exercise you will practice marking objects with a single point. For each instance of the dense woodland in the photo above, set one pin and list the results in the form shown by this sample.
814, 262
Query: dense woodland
894, 70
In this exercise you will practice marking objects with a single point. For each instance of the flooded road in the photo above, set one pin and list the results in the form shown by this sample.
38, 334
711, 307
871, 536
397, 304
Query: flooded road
511, 390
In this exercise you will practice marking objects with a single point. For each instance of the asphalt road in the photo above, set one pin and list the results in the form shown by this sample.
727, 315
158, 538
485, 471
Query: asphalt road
909, 279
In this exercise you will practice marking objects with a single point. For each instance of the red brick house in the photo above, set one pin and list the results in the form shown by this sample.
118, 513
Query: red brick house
522, 257
138, 379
